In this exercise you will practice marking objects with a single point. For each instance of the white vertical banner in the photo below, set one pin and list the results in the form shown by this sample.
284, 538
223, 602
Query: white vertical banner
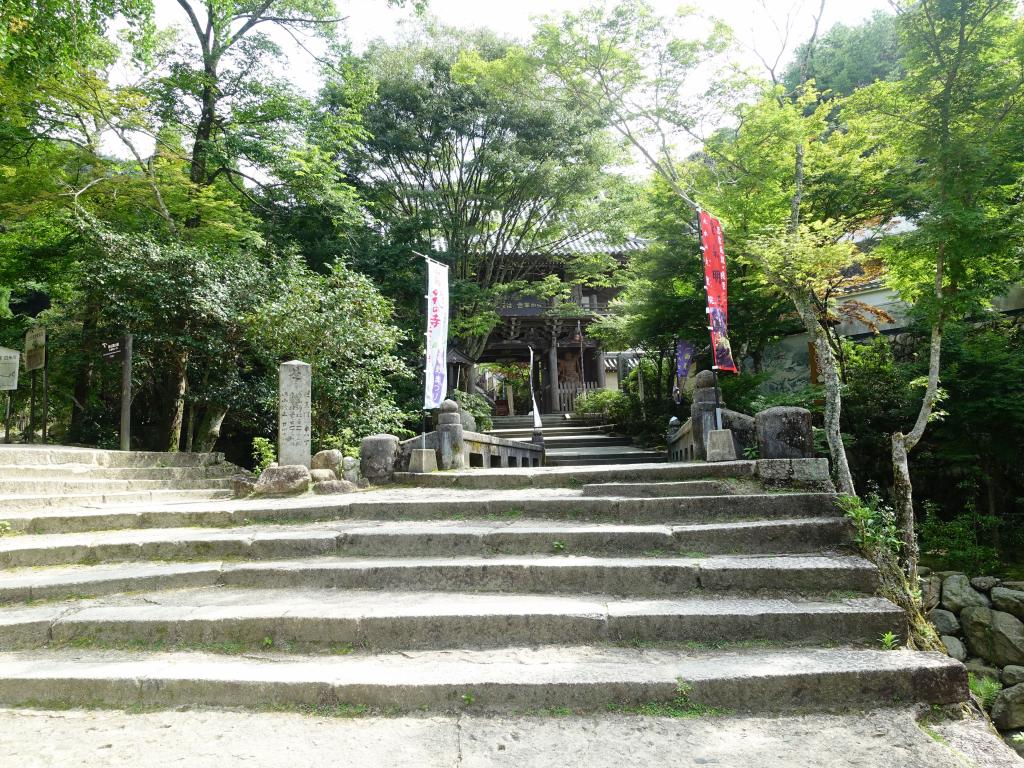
436, 379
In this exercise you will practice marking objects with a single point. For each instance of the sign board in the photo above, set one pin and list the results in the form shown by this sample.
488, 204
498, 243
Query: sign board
35, 348
111, 349
9, 361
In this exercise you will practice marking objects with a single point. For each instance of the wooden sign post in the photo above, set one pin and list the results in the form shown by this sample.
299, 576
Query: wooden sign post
123, 349
10, 360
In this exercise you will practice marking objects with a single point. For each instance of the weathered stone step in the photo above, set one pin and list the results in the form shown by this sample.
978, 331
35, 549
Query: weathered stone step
527, 433
680, 488
91, 485
325, 620
17, 455
665, 509
496, 679
12, 505
420, 504
580, 458
567, 476
640, 576
92, 471
789, 473
425, 538
585, 441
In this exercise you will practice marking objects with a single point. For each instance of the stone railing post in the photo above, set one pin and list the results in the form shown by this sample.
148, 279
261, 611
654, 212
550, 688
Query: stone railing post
702, 412
450, 432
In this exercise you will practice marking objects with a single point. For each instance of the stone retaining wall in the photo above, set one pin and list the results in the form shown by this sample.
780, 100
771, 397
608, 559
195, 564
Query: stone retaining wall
981, 622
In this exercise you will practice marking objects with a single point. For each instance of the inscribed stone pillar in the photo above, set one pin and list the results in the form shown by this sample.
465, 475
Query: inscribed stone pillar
602, 382
553, 404
293, 413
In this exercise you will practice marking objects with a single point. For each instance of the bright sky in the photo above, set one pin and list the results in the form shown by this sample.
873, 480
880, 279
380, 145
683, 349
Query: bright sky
758, 24
764, 27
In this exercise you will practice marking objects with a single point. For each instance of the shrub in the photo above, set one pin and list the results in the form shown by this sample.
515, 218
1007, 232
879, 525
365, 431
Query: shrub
958, 542
263, 454
477, 406
607, 404
874, 522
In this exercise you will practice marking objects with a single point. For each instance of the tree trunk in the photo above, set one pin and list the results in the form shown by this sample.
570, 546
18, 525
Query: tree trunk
903, 444
903, 495
209, 427
829, 373
177, 377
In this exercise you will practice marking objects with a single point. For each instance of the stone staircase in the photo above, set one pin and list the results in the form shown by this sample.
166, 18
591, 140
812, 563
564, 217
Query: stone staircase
491, 590
41, 476
576, 442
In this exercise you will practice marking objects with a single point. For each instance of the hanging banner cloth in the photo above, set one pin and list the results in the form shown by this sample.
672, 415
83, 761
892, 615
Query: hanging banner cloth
715, 284
684, 357
436, 380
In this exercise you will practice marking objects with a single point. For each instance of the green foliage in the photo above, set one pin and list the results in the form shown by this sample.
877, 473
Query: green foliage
874, 522
847, 58
5, 527
608, 405
681, 706
473, 156
338, 323
345, 441
889, 641
477, 406
263, 454
962, 543
985, 688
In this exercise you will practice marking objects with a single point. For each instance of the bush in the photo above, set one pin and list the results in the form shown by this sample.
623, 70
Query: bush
957, 543
477, 406
607, 404
263, 454
874, 522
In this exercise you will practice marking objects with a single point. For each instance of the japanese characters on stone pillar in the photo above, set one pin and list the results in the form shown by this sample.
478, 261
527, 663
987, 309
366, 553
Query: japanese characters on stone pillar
293, 413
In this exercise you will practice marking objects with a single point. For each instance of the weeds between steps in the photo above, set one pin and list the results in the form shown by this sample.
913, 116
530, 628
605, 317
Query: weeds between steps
681, 706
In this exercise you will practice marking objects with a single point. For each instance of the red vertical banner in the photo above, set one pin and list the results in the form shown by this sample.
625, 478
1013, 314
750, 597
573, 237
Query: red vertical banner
716, 286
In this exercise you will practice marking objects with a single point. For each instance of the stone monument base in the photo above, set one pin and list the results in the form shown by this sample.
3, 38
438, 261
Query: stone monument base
423, 460
720, 445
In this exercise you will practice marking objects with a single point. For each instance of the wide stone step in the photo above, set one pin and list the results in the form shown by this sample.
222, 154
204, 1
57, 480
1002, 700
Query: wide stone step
599, 456
552, 574
666, 509
12, 504
427, 538
332, 620
527, 433
585, 441
92, 471
419, 504
91, 485
656, 490
571, 476
17, 455
497, 679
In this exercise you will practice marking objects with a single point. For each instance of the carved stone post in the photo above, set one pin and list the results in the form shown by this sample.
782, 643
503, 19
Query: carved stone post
450, 432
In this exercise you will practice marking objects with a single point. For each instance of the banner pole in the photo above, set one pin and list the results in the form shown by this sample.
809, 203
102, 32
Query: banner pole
7, 420
32, 411
46, 386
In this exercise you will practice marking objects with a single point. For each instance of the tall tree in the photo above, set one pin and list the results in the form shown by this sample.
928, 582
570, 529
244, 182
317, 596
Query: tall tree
957, 118
470, 156
637, 70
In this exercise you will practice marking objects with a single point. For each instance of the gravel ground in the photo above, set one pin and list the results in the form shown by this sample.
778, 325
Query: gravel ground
222, 739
